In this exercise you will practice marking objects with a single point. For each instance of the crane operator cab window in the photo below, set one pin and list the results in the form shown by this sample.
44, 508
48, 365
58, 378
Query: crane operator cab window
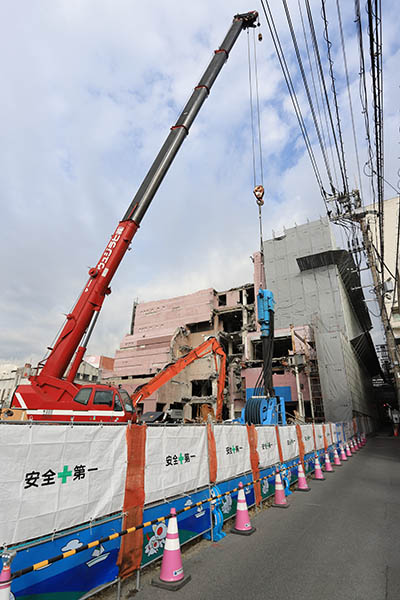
127, 401
103, 397
83, 395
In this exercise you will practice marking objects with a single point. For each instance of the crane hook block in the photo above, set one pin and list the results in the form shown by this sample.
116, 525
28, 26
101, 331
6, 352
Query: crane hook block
259, 194
260, 37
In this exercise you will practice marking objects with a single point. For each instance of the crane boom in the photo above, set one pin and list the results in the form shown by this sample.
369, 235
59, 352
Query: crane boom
48, 383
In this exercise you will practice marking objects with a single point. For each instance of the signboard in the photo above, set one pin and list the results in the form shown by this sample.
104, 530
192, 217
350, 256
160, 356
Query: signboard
267, 446
308, 438
58, 476
176, 461
289, 442
319, 436
233, 453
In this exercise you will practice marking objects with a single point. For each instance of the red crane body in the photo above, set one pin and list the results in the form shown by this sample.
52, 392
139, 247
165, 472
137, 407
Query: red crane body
48, 388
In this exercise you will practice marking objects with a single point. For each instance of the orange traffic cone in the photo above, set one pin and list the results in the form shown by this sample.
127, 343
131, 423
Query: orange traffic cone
280, 498
5, 576
242, 521
302, 481
171, 574
336, 459
318, 475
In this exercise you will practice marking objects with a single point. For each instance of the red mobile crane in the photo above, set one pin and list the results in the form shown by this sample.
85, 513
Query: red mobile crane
209, 345
51, 396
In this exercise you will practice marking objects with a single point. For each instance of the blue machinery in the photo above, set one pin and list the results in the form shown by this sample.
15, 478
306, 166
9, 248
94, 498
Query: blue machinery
264, 408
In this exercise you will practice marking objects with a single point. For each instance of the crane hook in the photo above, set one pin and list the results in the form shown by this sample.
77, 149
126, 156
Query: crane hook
259, 194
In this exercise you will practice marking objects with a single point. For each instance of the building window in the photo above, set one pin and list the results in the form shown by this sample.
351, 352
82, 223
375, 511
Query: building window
201, 387
222, 300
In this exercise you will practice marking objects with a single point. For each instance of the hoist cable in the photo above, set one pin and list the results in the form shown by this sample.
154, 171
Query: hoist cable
258, 111
251, 109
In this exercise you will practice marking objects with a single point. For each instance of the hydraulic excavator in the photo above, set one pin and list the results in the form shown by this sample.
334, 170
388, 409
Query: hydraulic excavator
52, 393
209, 345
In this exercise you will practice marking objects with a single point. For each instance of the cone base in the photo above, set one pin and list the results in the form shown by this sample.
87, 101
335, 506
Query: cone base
171, 585
318, 478
303, 490
280, 505
243, 532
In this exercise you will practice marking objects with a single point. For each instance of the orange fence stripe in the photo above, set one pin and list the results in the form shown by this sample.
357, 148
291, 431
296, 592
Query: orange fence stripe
315, 441
254, 460
130, 553
278, 440
212, 454
301, 444
325, 440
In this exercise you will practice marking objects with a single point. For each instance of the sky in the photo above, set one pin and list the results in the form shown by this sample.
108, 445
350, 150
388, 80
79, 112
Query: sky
89, 92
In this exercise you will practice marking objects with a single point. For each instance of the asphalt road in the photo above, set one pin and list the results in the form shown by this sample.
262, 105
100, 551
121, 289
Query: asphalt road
339, 541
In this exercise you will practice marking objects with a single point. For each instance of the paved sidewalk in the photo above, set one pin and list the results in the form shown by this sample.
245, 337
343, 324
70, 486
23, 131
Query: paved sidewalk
339, 541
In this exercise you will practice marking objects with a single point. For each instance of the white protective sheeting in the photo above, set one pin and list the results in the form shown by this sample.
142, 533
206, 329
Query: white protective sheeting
233, 453
267, 446
338, 433
308, 438
319, 436
176, 461
348, 430
289, 442
58, 476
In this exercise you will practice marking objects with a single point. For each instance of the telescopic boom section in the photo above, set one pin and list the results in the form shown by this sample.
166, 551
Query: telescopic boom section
97, 287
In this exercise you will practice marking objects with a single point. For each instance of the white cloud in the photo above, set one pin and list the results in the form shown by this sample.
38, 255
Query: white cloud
89, 93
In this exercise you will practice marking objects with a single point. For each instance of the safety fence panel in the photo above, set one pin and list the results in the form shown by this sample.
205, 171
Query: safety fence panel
348, 430
55, 477
319, 436
267, 446
308, 438
289, 442
176, 461
233, 453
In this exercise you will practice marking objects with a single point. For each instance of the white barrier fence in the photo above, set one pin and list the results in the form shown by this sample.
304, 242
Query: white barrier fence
59, 476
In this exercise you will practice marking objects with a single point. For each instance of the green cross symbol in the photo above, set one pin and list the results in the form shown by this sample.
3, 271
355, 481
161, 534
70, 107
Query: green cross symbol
181, 458
234, 449
64, 474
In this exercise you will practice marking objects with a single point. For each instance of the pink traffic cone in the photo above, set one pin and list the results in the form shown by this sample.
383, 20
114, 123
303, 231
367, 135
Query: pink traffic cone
302, 481
280, 498
348, 451
242, 521
318, 475
5, 576
171, 574
328, 466
353, 447
336, 459
342, 453
355, 444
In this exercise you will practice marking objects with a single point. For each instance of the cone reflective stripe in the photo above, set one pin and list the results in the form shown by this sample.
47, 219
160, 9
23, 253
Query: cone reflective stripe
328, 466
348, 451
342, 453
171, 574
280, 498
242, 521
336, 458
302, 481
318, 475
355, 444
5, 576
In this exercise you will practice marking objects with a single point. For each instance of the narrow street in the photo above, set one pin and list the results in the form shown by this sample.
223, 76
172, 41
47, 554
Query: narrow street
341, 540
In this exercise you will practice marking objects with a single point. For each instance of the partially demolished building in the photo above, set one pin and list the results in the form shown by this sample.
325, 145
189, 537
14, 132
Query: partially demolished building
324, 358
